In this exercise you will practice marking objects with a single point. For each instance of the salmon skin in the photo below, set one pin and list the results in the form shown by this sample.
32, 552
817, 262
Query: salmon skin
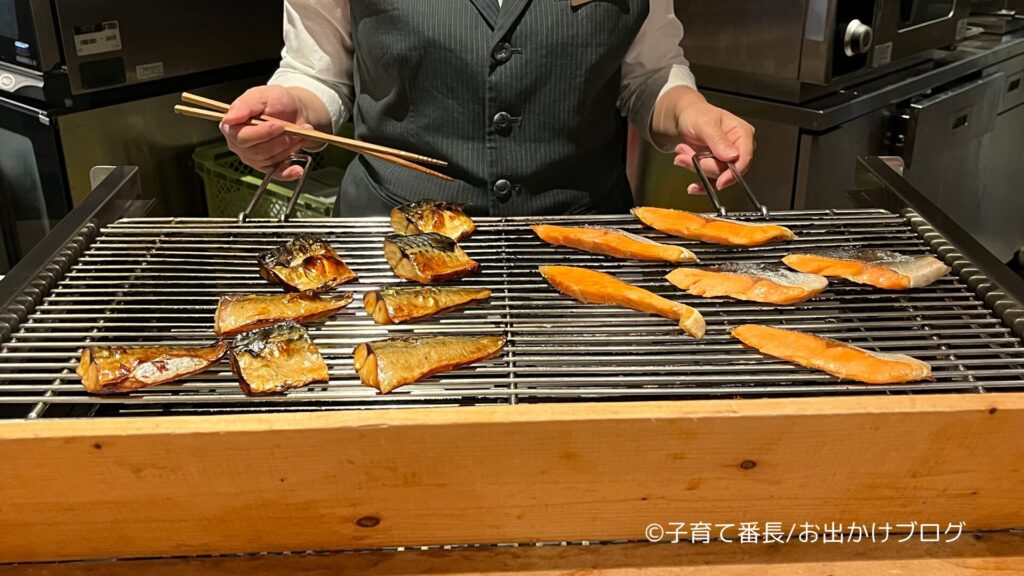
388, 364
277, 358
710, 229
237, 313
878, 268
610, 242
444, 218
427, 258
751, 282
593, 287
306, 263
397, 305
109, 370
833, 357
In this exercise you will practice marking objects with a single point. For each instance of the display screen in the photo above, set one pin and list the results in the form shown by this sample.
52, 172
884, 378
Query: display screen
8, 19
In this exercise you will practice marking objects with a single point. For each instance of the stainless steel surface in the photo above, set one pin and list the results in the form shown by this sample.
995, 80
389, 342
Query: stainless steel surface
993, 6
156, 281
307, 161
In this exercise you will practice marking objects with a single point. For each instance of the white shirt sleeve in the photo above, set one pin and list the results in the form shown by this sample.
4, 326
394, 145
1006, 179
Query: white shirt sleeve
654, 64
318, 54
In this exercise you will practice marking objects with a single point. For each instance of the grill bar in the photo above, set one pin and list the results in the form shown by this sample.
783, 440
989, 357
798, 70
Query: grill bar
156, 281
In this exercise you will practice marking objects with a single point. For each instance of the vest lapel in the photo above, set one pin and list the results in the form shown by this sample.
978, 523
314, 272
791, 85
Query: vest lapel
511, 12
489, 10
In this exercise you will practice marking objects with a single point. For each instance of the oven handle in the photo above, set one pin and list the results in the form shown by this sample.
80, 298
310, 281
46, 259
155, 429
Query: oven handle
879, 185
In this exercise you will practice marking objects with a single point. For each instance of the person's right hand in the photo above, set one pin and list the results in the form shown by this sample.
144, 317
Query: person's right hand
265, 146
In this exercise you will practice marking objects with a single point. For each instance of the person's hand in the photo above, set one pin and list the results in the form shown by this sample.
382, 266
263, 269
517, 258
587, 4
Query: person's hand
265, 146
703, 127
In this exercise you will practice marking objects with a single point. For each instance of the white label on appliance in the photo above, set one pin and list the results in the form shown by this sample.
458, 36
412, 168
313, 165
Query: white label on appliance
961, 29
97, 39
882, 56
149, 71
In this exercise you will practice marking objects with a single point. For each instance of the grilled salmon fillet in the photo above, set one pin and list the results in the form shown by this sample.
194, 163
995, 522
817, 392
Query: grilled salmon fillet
237, 313
878, 268
388, 364
109, 370
751, 282
610, 242
710, 229
835, 358
306, 263
397, 305
277, 358
427, 258
594, 287
444, 218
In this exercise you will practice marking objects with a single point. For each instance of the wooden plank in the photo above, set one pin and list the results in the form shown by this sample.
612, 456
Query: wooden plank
357, 479
971, 555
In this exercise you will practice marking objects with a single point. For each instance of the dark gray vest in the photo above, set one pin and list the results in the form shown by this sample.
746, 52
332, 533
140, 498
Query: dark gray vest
520, 100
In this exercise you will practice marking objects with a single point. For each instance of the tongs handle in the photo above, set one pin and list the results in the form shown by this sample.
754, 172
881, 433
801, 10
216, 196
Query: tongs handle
307, 159
713, 192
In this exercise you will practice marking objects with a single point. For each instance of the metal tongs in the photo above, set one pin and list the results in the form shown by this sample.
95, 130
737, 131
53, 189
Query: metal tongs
713, 192
294, 158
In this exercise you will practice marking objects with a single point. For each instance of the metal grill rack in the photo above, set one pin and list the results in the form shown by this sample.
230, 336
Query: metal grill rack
156, 281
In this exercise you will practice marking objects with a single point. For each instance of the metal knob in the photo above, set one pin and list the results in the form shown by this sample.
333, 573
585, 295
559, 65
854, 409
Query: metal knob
858, 39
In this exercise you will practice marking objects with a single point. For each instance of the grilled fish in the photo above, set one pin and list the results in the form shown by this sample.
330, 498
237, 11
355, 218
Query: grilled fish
751, 282
878, 268
594, 287
710, 229
609, 242
432, 216
277, 358
833, 357
108, 370
427, 258
388, 364
306, 263
237, 313
397, 305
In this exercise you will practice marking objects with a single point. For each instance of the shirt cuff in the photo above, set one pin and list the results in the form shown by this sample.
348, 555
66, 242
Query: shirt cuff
330, 98
679, 75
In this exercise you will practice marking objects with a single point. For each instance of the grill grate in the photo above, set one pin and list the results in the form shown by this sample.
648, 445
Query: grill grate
156, 281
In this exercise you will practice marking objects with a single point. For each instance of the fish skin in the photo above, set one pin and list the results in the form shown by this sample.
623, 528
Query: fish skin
291, 265
750, 282
711, 229
389, 364
116, 369
397, 305
592, 287
879, 268
612, 242
447, 218
833, 357
276, 359
237, 313
427, 258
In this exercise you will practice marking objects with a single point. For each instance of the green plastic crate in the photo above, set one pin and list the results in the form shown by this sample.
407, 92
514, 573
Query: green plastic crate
230, 185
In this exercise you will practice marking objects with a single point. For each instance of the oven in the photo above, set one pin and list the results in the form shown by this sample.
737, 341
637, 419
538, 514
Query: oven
798, 50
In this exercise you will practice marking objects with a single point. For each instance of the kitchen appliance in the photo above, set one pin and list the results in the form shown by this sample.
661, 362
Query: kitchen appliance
62, 50
670, 425
998, 16
797, 50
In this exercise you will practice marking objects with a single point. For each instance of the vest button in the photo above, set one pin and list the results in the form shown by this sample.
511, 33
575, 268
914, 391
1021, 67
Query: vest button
502, 121
503, 190
502, 52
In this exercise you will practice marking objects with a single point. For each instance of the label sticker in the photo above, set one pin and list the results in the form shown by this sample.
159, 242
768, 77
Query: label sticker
882, 56
98, 38
149, 71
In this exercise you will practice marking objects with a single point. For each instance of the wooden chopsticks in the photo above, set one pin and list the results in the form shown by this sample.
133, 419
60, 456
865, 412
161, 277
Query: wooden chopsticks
214, 110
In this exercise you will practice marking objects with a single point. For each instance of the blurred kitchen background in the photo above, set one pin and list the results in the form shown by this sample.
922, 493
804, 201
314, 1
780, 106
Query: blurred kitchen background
936, 83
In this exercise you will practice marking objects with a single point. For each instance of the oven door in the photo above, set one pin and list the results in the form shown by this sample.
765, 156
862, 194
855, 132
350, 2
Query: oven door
33, 195
923, 25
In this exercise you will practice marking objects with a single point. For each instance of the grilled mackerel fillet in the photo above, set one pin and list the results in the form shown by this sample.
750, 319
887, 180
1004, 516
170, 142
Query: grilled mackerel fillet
306, 263
427, 258
276, 359
388, 364
237, 313
397, 305
444, 218
109, 370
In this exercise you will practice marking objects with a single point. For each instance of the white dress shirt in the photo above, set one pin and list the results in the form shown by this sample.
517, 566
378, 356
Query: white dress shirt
318, 56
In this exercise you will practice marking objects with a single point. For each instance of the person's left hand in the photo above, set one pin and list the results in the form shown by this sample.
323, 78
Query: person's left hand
702, 128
